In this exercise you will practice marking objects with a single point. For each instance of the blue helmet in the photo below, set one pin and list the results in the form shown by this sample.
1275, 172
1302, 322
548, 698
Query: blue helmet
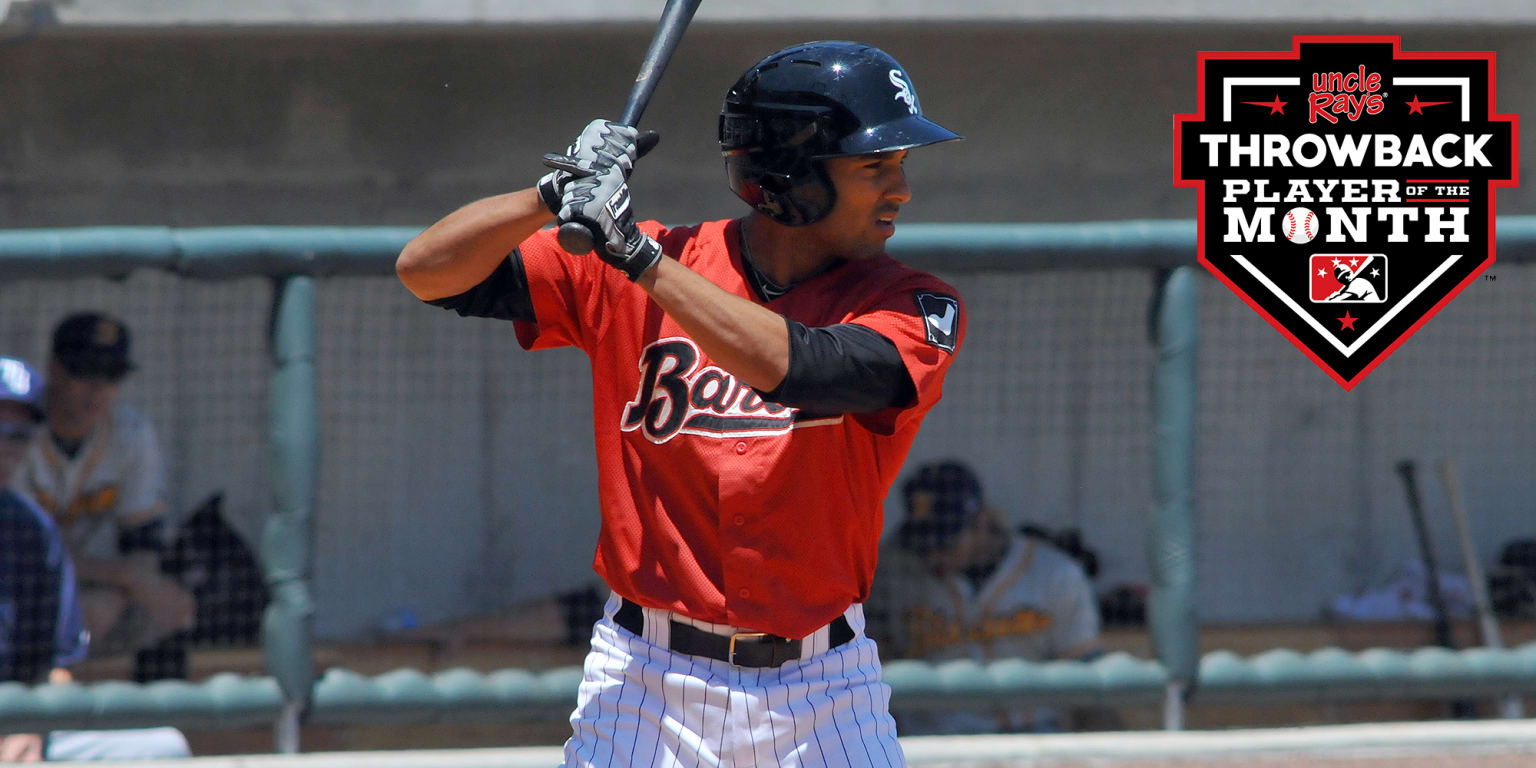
20, 384
807, 103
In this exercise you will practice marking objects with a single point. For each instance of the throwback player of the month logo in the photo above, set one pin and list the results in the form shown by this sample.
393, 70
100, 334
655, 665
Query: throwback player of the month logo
1317, 168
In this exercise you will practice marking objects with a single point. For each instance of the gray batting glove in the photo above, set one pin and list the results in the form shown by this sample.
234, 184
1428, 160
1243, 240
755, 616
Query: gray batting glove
601, 203
600, 144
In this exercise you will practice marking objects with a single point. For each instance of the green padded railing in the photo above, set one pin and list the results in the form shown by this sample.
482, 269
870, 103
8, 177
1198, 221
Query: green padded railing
409, 696
216, 252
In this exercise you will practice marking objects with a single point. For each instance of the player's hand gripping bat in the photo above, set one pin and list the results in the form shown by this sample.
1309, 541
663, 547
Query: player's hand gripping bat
579, 236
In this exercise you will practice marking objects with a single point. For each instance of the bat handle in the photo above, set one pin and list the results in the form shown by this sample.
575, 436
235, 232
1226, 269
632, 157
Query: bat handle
577, 237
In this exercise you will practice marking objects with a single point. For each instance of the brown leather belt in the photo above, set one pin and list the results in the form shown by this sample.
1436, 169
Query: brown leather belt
743, 649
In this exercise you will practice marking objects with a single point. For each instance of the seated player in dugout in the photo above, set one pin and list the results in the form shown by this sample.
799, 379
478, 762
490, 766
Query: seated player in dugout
42, 631
96, 468
757, 383
958, 584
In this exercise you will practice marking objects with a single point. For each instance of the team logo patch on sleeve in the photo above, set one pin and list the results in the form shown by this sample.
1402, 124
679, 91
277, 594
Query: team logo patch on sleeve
941, 319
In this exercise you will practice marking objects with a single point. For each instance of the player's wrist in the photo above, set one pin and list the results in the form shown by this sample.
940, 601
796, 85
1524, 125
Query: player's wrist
640, 255
549, 187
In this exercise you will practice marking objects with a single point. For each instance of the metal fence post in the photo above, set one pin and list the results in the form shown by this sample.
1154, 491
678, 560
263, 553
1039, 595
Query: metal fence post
1171, 540
286, 540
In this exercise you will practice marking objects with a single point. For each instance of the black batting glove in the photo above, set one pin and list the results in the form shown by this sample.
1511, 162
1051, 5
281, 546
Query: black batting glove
601, 143
601, 203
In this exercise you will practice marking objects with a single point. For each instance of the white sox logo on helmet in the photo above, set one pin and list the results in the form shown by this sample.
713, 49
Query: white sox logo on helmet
677, 396
904, 90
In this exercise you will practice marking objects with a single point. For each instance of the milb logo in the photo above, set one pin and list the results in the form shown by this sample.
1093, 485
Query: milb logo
1349, 277
1316, 168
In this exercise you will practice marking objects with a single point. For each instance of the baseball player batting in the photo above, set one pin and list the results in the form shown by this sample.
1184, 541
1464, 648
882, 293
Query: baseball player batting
757, 383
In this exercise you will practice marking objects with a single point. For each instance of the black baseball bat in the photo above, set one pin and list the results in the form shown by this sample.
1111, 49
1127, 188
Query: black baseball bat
579, 237
1409, 473
1460, 708
1510, 706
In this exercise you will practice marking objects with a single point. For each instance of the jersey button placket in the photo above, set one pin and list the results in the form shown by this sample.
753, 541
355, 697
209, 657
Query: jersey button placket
747, 577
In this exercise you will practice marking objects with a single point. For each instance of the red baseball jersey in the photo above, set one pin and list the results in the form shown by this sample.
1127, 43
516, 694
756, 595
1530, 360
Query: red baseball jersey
716, 504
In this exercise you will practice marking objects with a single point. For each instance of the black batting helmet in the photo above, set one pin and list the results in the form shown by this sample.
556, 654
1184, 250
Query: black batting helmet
942, 499
809, 102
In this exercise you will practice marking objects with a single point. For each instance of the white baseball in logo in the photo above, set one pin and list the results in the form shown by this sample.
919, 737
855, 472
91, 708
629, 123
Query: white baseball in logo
904, 90
1300, 225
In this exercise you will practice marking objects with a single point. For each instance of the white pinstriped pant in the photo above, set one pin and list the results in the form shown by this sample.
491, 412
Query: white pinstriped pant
640, 704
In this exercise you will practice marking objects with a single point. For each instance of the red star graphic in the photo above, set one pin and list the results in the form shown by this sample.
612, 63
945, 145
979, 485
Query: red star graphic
1347, 322
1416, 107
1274, 106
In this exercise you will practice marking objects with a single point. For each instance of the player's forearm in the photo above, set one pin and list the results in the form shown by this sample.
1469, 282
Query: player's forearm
748, 340
138, 577
116, 573
459, 251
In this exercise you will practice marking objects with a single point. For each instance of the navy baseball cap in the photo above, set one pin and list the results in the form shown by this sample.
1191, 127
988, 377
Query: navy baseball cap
20, 384
942, 499
92, 345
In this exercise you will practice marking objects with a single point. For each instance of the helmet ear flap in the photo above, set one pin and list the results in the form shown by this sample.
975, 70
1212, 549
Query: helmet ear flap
775, 183
810, 195
752, 194
775, 195
779, 201
817, 193
793, 202
793, 190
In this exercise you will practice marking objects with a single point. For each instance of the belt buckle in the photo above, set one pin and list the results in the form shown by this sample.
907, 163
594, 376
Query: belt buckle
730, 655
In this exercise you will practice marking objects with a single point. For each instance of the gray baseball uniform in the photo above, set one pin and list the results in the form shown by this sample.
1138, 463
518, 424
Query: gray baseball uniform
1035, 605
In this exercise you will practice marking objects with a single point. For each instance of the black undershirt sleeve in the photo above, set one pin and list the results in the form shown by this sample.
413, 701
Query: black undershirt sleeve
502, 295
843, 368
